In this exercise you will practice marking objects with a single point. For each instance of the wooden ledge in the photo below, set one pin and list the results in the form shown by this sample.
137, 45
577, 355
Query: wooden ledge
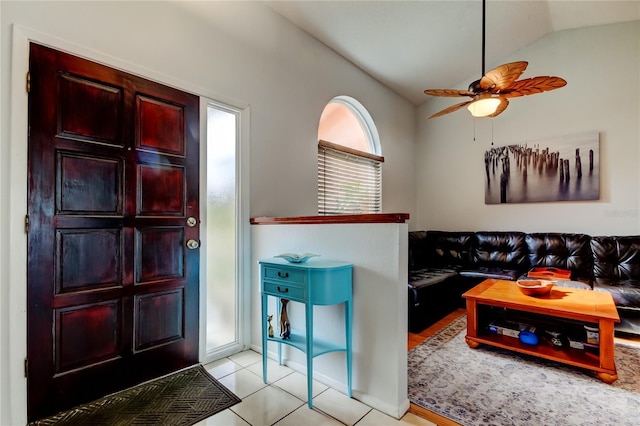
344, 218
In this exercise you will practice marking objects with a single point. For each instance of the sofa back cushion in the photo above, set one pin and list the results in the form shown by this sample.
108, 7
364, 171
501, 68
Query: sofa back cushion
616, 258
504, 250
417, 250
449, 249
564, 251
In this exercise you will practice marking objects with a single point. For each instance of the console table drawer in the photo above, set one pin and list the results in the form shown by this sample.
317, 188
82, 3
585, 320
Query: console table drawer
284, 274
285, 291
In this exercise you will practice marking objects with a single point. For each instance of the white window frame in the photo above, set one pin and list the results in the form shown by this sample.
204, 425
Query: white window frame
363, 116
350, 193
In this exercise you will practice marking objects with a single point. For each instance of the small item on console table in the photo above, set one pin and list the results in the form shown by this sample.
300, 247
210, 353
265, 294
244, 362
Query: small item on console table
549, 272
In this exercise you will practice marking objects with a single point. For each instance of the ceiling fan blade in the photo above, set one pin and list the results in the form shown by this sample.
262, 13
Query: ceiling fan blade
531, 86
451, 93
504, 103
451, 109
502, 77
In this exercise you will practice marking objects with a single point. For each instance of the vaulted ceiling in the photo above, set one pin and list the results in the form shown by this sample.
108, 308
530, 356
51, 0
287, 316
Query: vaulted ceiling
410, 46
413, 45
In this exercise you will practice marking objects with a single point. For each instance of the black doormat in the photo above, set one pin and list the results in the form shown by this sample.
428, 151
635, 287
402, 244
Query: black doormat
181, 398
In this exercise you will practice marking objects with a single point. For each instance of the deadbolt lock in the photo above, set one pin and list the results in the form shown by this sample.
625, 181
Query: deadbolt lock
191, 221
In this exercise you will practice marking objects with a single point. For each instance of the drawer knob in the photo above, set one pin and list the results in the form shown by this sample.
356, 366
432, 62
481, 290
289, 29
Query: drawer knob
283, 274
286, 290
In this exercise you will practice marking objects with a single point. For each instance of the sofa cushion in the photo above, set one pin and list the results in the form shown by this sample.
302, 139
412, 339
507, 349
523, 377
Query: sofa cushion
449, 249
502, 250
429, 276
417, 250
616, 258
625, 293
565, 251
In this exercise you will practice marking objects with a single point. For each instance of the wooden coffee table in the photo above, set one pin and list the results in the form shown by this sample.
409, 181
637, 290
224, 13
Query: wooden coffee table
590, 307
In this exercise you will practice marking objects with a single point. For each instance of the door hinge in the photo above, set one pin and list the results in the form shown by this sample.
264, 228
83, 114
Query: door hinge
28, 82
26, 224
26, 367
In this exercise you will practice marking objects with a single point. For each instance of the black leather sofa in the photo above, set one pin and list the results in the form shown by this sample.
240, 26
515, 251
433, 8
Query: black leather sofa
443, 265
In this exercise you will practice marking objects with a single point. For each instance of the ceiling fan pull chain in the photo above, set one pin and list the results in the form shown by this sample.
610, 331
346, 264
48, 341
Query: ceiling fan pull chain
474, 129
491, 132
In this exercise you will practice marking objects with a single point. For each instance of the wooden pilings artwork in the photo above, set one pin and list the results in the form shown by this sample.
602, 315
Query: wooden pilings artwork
545, 170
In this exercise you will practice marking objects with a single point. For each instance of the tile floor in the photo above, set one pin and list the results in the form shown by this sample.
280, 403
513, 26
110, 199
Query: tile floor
283, 402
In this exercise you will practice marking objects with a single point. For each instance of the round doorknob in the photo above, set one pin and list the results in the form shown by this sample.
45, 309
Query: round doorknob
192, 244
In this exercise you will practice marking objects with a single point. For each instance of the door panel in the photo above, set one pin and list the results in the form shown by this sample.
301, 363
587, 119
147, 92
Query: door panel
79, 192
161, 190
113, 174
158, 319
161, 126
89, 110
160, 253
78, 324
77, 266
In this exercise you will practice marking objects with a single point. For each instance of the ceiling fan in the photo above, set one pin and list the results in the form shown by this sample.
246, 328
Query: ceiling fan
489, 94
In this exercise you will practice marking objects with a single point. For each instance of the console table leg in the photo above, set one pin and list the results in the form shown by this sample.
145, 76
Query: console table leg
310, 354
348, 320
264, 339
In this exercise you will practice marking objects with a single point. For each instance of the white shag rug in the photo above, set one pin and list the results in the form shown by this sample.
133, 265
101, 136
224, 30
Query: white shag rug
492, 386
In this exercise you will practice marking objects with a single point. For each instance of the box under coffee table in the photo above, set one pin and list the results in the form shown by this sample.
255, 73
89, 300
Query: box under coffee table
563, 305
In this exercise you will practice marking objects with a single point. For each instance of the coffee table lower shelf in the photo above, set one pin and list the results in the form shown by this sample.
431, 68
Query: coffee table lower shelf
579, 359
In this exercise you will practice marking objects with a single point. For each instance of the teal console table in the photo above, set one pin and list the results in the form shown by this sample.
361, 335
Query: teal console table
315, 282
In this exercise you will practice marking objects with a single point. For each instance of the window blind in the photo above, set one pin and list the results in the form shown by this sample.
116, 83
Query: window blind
348, 183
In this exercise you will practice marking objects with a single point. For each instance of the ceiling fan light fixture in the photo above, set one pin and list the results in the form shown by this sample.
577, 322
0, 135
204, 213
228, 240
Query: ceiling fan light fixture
484, 106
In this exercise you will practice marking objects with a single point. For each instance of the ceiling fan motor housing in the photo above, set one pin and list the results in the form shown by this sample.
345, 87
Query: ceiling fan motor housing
475, 87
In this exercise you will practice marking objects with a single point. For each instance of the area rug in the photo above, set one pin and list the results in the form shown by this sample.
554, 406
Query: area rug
492, 386
181, 398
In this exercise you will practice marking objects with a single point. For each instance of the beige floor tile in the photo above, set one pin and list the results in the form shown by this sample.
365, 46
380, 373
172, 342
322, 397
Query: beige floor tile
340, 406
242, 383
266, 406
275, 372
246, 358
296, 384
308, 417
222, 367
223, 418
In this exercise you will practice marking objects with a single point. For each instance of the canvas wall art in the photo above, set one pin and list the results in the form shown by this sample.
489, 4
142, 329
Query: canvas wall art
565, 168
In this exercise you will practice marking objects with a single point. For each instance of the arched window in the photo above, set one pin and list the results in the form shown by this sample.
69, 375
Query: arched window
349, 160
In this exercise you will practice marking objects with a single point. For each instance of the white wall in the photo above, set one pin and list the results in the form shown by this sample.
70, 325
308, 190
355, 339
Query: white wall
379, 255
242, 54
601, 66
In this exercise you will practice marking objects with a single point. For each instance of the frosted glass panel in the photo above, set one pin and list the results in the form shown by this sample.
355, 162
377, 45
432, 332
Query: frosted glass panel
221, 228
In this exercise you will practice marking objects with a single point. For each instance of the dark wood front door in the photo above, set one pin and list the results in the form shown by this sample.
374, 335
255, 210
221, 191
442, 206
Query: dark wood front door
112, 287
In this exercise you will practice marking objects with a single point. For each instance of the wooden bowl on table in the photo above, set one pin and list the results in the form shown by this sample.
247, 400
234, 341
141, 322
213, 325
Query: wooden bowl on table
535, 287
